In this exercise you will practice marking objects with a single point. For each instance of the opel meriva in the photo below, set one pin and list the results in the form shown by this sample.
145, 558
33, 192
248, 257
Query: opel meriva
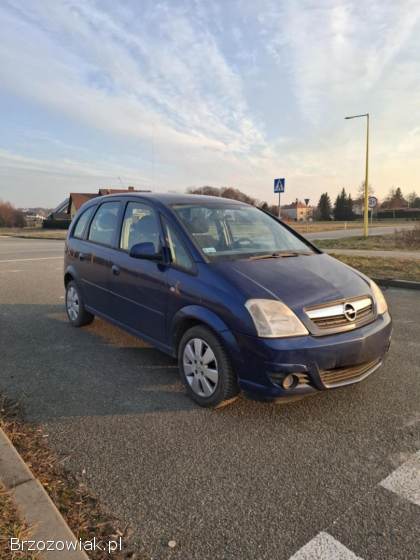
242, 301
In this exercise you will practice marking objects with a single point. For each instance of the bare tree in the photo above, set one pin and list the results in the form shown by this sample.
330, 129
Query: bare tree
10, 216
226, 192
361, 191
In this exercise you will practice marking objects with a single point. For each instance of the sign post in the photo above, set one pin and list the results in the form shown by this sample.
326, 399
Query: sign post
306, 215
279, 188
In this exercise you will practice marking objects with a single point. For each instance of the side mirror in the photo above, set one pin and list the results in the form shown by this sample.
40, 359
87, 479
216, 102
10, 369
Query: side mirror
145, 251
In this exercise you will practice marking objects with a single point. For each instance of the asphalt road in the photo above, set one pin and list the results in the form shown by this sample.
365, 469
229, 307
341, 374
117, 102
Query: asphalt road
250, 481
342, 233
411, 255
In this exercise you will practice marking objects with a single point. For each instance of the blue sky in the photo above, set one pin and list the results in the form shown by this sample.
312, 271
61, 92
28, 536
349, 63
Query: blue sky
168, 95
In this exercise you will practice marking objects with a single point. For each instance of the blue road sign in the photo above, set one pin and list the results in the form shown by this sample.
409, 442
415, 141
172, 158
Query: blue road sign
279, 185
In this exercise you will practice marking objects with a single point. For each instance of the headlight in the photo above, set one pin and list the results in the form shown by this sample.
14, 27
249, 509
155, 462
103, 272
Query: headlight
381, 304
273, 319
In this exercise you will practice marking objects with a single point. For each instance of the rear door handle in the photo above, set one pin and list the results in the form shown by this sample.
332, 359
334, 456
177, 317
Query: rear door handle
115, 269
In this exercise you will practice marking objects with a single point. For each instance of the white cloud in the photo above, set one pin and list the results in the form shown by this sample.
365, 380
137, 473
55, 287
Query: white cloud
169, 97
66, 167
174, 85
55, 178
336, 52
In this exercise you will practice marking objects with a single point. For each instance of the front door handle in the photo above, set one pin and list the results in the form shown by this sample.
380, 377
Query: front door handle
81, 256
115, 269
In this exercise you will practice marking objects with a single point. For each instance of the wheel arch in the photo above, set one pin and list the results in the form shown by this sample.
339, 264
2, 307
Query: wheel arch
193, 315
70, 274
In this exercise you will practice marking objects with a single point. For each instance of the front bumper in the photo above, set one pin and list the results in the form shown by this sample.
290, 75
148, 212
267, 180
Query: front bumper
264, 360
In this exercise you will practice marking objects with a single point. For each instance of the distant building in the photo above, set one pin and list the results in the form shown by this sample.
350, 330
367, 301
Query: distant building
358, 207
76, 200
59, 217
297, 211
33, 220
62, 215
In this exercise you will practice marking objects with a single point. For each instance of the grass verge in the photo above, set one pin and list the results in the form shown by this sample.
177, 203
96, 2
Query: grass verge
377, 267
314, 227
78, 506
34, 233
302, 227
403, 240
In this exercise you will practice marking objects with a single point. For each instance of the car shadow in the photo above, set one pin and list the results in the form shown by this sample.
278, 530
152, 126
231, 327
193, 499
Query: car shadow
59, 371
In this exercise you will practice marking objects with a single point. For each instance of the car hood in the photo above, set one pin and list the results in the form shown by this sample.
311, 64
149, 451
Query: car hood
299, 282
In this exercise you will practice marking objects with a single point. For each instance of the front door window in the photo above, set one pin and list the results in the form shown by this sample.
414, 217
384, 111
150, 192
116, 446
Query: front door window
140, 225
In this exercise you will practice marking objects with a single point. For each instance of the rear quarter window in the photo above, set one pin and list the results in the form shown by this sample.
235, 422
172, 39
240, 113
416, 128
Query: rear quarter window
82, 222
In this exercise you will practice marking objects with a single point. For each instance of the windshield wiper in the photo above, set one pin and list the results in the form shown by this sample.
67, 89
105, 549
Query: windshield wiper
277, 255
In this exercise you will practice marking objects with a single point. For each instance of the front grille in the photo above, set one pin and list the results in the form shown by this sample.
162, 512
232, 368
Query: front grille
331, 317
343, 375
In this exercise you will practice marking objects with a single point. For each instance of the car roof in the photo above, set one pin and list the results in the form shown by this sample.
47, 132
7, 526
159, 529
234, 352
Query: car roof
168, 199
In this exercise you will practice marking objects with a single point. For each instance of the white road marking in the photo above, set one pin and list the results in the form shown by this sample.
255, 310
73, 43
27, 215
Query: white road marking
30, 259
324, 547
3, 271
405, 481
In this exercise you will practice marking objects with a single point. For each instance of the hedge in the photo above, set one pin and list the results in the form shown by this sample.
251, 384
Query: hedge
56, 224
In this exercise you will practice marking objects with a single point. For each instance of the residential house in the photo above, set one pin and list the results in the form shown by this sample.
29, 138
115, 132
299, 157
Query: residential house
62, 215
297, 211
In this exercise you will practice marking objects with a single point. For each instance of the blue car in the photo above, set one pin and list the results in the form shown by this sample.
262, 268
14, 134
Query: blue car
239, 298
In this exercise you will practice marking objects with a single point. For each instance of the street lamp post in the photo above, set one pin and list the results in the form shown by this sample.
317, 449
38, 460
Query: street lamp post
366, 207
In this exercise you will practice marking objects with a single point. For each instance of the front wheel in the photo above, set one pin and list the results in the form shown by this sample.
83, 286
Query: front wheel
206, 369
76, 312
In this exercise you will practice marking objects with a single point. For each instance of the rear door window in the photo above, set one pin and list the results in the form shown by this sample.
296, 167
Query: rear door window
104, 224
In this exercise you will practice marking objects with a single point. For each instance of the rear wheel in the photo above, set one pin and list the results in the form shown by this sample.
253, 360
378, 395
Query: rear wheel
206, 369
76, 312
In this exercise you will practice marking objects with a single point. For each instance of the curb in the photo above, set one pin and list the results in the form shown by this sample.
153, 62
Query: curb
34, 504
394, 283
32, 237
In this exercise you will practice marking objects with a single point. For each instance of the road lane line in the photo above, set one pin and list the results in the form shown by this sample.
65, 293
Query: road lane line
324, 547
405, 481
30, 259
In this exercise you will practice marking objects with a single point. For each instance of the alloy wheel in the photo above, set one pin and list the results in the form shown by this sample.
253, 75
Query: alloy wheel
200, 367
72, 303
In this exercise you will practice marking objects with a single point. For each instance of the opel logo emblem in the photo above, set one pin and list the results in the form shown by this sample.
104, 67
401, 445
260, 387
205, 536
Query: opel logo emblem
349, 312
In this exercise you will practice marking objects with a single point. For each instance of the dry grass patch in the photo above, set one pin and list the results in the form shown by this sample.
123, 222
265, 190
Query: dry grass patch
314, 227
401, 240
12, 527
78, 506
34, 233
377, 267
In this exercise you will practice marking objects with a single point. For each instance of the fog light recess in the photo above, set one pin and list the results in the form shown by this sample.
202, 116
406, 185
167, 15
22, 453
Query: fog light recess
289, 382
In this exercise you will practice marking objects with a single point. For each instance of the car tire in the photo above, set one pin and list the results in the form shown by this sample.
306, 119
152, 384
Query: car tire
206, 369
75, 308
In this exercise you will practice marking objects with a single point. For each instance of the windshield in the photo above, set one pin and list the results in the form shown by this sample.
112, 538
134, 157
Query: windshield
232, 231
